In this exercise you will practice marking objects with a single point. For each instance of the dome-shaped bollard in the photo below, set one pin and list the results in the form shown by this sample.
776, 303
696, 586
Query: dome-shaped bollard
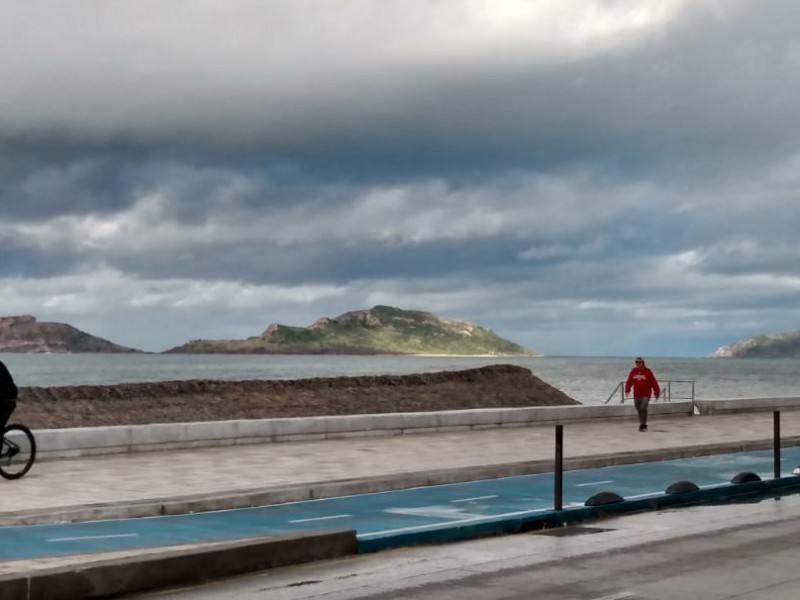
681, 487
796, 470
601, 498
745, 477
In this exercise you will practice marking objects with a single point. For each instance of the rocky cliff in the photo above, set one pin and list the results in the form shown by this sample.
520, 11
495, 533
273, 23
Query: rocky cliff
26, 334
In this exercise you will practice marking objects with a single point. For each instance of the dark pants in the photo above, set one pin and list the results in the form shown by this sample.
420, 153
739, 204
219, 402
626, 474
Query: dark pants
6, 408
641, 408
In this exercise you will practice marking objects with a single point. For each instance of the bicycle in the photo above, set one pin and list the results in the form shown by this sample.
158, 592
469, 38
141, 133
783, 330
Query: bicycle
18, 451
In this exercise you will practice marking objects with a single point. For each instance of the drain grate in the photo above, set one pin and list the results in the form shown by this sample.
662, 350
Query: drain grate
570, 531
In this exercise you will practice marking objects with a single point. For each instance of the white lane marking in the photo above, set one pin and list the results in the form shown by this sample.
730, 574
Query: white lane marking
594, 483
475, 498
93, 537
374, 534
436, 511
617, 596
320, 518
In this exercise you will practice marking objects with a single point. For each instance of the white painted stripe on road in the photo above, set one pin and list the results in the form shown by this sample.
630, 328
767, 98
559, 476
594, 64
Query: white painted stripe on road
594, 483
617, 596
475, 498
486, 519
320, 518
94, 537
437, 511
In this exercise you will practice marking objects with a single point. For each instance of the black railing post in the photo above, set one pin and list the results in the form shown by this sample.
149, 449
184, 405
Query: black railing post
776, 434
558, 490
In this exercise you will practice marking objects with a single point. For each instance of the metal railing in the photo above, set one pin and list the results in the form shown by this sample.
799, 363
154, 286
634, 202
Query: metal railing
743, 478
672, 389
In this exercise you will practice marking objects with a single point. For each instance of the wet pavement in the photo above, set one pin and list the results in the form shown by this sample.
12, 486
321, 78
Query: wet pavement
61, 489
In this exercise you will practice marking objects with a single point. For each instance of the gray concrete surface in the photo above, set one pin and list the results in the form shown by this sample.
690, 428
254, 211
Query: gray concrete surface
727, 552
141, 484
134, 484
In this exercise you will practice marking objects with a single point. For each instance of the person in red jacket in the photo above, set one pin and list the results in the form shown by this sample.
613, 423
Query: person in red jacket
644, 385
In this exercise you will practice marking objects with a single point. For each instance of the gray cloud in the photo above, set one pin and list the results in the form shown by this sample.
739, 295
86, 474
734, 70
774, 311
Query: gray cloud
397, 79
583, 177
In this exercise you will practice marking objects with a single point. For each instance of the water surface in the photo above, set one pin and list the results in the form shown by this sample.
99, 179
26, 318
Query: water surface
587, 379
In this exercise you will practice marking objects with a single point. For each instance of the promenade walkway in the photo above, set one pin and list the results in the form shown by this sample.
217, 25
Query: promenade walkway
155, 482
55, 489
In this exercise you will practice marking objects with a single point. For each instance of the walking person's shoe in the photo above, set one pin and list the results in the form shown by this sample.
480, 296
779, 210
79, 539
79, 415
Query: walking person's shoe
642, 427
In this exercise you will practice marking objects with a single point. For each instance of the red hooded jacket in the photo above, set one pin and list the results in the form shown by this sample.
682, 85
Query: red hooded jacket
643, 382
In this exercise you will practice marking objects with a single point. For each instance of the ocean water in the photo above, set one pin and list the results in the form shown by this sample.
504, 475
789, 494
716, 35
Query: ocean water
588, 380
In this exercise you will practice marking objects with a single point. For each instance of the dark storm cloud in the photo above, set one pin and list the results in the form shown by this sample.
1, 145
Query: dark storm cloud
691, 97
677, 93
35, 187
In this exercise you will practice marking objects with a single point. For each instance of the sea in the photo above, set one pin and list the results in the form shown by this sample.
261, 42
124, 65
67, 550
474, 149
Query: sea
590, 380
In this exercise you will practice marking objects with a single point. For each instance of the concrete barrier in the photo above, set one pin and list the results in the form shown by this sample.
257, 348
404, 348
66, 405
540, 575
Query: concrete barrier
109, 578
710, 407
84, 441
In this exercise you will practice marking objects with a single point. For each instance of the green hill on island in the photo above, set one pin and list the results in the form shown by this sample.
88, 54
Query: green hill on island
379, 330
775, 345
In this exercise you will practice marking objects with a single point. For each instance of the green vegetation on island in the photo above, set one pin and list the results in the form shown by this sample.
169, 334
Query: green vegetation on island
775, 345
379, 330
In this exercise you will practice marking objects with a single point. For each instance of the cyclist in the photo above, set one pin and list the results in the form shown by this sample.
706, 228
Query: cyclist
8, 395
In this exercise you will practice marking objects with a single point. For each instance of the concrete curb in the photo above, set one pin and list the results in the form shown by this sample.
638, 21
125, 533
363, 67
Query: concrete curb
112, 577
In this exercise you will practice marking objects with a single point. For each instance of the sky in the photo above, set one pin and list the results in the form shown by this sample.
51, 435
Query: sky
583, 177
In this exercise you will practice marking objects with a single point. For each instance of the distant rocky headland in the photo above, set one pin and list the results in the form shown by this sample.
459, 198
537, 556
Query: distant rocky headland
379, 330
26, 334
775, 345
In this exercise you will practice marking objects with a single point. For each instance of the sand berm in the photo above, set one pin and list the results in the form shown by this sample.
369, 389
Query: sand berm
196, 400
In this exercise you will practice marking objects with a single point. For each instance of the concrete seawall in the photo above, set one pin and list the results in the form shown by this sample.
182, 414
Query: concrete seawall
74, 442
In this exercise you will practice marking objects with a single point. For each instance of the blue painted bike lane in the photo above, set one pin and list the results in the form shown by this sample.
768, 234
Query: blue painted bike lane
400, 513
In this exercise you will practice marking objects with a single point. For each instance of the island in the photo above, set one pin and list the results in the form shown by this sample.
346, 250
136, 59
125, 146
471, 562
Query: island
774, 345
379, 330
24, 334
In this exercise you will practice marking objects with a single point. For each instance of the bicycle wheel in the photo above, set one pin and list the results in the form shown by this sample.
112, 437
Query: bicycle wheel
17, 452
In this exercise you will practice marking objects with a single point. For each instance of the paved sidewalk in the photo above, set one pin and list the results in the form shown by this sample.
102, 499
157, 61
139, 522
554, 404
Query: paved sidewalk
54, 490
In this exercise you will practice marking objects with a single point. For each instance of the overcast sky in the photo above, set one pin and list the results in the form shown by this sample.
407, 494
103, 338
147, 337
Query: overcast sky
584, 177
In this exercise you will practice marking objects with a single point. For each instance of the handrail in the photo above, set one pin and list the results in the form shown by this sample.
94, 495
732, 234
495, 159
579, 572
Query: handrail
621, 389
666, 391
